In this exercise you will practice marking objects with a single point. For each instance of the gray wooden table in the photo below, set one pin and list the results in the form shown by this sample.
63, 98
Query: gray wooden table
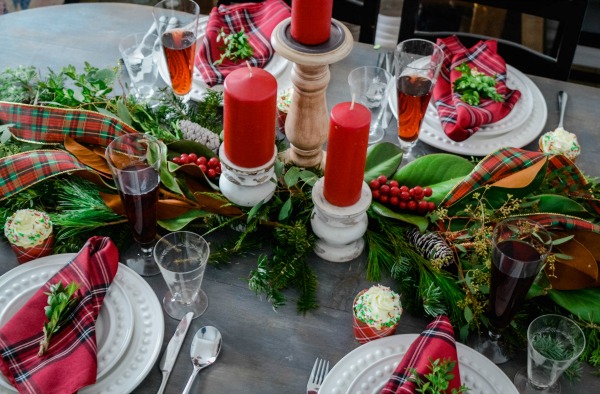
263, 351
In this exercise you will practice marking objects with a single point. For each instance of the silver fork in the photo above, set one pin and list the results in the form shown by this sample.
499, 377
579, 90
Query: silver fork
319, 371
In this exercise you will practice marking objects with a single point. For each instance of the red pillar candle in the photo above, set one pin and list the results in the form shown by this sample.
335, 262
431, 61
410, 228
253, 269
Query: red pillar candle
249, 112
311, 21
346, 153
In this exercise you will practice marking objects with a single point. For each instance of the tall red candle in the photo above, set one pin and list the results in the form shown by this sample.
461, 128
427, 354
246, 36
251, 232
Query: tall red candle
346, 153
249, 112
311, 21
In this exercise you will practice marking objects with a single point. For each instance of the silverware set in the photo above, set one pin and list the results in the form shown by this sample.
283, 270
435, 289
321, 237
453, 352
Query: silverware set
317, 376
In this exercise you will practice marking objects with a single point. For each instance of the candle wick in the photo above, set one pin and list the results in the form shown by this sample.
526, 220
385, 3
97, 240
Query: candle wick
249, 67
353, 100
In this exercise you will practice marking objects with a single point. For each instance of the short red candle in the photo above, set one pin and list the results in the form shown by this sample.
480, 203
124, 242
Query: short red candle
346, 153
311, 21
249, 112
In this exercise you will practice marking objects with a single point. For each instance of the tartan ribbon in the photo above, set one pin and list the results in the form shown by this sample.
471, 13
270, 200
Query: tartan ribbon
70, 362
46, 125
459, 119
435, 342
258, 21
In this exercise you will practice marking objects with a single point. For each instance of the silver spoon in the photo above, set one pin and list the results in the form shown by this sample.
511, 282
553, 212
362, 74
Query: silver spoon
205, 349
562, 105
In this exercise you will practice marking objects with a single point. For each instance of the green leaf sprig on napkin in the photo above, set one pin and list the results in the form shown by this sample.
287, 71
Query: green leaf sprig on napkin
473, 84
61, 301
438, 379
236, 46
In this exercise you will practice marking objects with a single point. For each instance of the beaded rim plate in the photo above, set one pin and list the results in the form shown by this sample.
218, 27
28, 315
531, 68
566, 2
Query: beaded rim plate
367, 368
124, 366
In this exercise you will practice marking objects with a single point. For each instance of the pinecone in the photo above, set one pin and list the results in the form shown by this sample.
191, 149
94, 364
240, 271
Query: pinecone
431, 245
194, 132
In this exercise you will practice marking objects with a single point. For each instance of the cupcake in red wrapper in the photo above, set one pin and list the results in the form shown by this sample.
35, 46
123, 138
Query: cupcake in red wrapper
376, 313
284, 101
29, 233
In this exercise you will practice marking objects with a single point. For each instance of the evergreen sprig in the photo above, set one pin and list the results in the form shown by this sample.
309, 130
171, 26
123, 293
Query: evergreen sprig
61, 302
473, 84
437, 381
236, 46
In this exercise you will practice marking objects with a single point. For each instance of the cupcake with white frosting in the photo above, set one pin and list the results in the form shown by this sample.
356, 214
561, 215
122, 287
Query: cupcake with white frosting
560, 142
284, 102
29, 233
376, 313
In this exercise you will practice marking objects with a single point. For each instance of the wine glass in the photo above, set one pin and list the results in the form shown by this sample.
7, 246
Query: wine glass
135, 160
519, 249
177, 22
417, 65
553, 343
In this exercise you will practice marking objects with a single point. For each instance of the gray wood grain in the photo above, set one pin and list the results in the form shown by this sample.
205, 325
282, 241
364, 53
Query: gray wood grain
263, 351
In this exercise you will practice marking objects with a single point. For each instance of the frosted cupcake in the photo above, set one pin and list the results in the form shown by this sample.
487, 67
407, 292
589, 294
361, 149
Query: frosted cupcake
29, 233
284, 101
376, 313
560, 142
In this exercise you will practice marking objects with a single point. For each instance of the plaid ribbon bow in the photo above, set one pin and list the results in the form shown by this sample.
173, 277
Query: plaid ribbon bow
256, 19
436, 342
459, 119
70, 362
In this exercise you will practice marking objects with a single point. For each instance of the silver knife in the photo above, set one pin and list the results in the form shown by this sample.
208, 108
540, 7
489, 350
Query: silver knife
170, 355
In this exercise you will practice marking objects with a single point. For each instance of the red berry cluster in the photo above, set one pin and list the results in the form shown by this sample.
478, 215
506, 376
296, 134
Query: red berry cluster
401, 197
211, 167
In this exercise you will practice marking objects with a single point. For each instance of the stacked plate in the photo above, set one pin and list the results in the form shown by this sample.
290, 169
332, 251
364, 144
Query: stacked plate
367, 369
129, 329
279, 67
519, 128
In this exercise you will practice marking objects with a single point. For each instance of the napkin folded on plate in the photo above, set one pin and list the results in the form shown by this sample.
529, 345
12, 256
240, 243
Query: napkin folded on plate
436, 342
258, 21
459, 119
70, 362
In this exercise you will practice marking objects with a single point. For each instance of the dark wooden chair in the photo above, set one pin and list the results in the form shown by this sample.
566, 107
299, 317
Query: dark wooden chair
363, 13
536, 36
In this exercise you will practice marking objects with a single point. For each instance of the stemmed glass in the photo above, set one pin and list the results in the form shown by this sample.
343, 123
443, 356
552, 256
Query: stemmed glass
519, 249
553, 343
177, 22
135, 160
417, 66
182, 257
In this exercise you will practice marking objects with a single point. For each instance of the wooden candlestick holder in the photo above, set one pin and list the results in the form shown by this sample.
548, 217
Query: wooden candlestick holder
247, 186
307, 122
339, 229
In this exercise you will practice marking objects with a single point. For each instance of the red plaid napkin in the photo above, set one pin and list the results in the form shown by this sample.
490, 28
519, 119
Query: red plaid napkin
459, 119
70, 362
436, 342
258, 21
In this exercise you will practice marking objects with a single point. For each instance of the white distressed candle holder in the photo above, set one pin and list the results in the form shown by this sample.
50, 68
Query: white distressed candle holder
247, 186
340, 229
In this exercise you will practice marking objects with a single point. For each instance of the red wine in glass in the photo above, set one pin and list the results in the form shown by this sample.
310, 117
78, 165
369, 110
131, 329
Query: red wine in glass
179, 46
139, 193
414, 93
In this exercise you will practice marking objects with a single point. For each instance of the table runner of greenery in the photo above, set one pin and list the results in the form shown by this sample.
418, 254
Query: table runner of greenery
440, 261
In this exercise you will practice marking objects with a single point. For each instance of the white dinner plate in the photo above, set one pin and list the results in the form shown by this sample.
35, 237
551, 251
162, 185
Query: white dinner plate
367, 369
484, 143
129, 329
279, 67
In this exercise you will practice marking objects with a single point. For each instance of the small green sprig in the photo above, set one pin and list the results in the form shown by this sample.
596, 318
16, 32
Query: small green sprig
473, 85
438, 380
61, 301
236, 46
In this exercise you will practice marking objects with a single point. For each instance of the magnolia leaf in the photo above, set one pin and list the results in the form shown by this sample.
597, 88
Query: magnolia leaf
186, 146
382, 159
182, 220
431, 169
86, 155
167, 178
583, 303
578, 272
420, 221
5, 134
559, 204
562, 240
211, 202
441, 189
123, 112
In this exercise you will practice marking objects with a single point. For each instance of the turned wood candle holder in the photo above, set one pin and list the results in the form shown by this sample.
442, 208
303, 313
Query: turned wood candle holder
307, 122
340, 229
247, 186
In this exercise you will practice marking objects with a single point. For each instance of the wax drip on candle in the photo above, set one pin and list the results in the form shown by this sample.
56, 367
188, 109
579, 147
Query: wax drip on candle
353, 99
249, 67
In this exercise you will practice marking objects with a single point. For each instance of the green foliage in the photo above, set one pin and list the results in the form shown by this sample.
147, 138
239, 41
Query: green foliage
236, 46
437, 381
18, 85
472, 85
61, 301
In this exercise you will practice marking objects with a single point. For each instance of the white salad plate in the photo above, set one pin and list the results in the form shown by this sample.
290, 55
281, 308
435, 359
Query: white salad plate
279, 67
366, 369
519, 128
129, 329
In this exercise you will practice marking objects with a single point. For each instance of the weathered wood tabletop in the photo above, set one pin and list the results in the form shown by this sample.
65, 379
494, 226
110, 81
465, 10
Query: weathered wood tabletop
263, 351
